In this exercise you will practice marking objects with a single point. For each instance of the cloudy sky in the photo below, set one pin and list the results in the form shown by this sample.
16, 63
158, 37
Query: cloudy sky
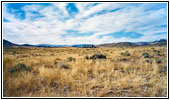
83, 23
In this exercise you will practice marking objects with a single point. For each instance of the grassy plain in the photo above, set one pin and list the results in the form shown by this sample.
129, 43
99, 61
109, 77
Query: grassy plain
68, 72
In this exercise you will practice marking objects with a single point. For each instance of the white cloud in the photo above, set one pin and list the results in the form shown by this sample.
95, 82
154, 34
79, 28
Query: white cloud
137, 18
33, 7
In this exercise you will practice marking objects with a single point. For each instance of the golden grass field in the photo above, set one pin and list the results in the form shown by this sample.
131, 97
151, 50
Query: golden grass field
117, 76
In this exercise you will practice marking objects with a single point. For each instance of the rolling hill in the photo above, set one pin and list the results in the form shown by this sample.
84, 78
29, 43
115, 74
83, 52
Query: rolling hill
161, 42
6, 43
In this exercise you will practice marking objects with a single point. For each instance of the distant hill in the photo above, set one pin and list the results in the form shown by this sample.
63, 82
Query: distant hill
141, 43
6, 43
120, 44
27, 45
84, 45
161, 42
50, 45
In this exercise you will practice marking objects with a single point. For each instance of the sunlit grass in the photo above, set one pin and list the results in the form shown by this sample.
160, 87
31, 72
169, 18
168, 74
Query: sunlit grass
133, 74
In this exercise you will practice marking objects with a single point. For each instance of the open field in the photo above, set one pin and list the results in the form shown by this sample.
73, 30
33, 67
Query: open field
69, 72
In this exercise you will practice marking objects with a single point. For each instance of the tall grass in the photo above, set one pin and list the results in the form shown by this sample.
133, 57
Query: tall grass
115, 76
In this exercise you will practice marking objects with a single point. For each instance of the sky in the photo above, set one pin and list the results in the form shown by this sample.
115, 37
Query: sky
83, 23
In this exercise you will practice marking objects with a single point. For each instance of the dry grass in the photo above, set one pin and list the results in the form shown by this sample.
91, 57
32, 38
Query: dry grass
117, 76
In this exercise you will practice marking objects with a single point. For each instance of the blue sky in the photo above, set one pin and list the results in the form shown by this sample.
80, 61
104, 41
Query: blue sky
81, 23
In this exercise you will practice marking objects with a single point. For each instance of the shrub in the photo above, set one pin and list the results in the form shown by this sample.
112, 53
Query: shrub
98, 56
71, 59
14, 52
156, 51
123, 59
129, 69
55, 62
159, 61
62, 65
18, 68
86, 57
148, 61
152, 48
158, 54
126, 53
163, 69
146, 55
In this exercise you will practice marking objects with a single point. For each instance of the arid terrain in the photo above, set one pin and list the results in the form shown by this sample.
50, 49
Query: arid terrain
85, 72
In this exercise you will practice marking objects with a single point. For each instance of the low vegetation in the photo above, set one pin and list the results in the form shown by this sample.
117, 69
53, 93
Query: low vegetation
98, 56
146, 55
85, 72
71, 59
18, 68
126, 53
62, 65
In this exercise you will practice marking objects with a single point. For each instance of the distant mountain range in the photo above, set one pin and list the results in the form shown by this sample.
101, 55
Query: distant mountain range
49, 45
161, 42
84, 45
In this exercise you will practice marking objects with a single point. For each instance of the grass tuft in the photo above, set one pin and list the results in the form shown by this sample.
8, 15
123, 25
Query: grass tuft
19, 68
98, 56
